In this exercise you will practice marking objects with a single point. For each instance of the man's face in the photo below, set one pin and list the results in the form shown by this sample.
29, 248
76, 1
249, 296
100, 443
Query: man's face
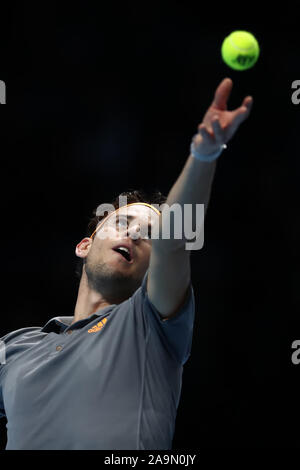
118, 257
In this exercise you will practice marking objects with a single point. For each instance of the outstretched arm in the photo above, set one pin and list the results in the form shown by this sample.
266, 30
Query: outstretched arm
169, 268
218, 126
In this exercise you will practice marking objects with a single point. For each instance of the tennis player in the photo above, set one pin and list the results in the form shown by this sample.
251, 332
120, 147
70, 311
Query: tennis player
110, 375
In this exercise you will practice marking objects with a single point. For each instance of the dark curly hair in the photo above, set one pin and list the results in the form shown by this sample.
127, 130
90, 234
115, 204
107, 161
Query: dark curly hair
135, 195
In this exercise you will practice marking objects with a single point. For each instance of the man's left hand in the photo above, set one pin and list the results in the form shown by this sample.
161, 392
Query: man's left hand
219, 125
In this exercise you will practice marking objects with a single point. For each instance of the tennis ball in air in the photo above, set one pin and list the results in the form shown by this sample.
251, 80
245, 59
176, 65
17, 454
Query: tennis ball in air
240, 50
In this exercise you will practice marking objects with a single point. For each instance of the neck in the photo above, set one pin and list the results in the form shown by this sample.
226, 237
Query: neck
88, 300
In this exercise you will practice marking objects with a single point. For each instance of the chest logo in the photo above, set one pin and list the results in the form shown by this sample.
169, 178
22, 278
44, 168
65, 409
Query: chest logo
98, 327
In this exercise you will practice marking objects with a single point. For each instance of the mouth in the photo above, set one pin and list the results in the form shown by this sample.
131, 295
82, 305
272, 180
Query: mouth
125, 252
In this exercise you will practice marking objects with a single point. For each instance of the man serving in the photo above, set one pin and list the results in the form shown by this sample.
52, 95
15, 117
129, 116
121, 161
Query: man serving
110, 375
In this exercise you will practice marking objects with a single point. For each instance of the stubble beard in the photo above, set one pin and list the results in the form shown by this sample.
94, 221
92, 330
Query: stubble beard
112, 284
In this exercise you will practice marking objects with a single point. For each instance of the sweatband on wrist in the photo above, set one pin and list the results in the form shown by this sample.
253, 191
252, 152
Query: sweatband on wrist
207, 158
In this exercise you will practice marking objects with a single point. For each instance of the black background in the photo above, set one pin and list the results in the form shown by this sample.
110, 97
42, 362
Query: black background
105, 99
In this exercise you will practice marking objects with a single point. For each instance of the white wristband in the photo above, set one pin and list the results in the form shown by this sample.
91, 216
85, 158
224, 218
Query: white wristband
206, 158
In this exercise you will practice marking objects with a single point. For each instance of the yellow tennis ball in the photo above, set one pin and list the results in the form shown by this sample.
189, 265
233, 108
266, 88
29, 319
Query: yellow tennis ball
240, 50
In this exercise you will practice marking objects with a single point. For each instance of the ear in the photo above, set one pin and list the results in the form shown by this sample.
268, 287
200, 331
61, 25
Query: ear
83, 247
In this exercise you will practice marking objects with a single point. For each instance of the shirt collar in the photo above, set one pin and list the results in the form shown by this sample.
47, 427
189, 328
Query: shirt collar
60, 324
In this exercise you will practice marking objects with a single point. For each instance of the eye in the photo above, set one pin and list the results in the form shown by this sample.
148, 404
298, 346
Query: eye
122, 222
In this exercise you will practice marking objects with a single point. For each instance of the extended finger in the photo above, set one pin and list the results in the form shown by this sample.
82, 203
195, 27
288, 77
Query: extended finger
239, 116
222, 94
248, 102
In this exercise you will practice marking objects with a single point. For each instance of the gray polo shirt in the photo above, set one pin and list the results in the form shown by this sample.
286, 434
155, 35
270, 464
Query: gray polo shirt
110, 381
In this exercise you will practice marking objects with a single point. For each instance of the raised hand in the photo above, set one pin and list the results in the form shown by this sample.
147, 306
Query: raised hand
219, 125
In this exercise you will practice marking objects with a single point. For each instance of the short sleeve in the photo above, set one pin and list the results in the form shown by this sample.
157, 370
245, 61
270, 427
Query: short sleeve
176, 333
2, 412
2, 358
10, 349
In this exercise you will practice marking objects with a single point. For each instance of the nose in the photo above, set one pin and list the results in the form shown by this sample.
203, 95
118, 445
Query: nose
134, 231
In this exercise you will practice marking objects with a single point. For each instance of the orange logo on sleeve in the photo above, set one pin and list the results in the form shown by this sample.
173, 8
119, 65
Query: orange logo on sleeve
98, 327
